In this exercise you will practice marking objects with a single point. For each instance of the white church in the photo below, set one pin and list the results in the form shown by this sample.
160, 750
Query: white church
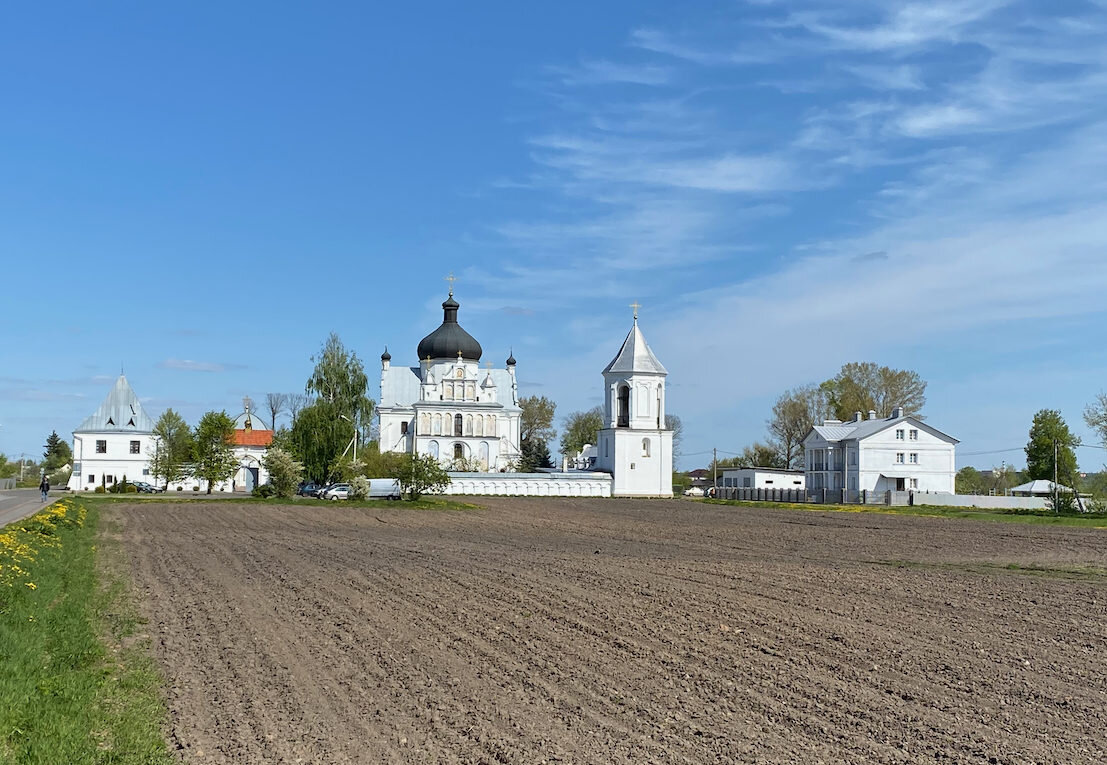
468, 417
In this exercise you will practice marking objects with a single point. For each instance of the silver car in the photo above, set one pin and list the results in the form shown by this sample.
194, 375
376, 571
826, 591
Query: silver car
336, 492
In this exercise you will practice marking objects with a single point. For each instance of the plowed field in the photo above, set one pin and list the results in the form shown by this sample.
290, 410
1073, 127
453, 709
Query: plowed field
597, 631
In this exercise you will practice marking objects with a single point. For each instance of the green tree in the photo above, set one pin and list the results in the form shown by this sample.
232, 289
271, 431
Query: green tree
864, 386
761, 455
794, 414
536, 419
339, 379
419, 474
213, 449
172, 450
284, 471
969, 480
535, 454
581, 428
56, 453
1047, 430
8, 469
318, 438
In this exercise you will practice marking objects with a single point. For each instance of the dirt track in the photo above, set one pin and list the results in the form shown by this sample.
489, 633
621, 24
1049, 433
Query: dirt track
616, 631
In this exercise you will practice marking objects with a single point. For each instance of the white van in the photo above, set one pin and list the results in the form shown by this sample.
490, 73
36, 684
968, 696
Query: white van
384, 488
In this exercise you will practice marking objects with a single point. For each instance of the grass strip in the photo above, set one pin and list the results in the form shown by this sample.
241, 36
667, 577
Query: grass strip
1042, 517
70, 692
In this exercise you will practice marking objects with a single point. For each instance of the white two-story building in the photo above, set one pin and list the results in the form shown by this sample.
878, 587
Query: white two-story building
114, 442
897, 453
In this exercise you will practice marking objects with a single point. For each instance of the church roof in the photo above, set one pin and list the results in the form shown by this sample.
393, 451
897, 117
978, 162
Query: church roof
120, 412
635, 356
449, 341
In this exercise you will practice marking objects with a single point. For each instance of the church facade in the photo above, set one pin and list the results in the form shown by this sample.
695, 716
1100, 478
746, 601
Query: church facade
448, 406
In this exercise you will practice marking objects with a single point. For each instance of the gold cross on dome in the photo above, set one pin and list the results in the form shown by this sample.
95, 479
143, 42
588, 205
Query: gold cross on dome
451, 279
636, 305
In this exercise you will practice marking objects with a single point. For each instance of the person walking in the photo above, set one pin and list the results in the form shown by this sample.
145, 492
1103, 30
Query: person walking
44, 487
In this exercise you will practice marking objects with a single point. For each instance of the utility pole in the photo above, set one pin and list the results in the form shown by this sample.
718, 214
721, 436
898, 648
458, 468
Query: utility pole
714, 471
1055, 475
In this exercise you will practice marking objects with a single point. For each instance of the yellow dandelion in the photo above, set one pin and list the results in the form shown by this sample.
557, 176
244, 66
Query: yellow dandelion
32, 585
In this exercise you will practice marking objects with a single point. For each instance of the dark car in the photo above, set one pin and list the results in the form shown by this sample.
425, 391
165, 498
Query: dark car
310, 489
146, 488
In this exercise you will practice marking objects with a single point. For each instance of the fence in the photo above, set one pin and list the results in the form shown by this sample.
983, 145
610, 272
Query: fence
7, 483
865, 497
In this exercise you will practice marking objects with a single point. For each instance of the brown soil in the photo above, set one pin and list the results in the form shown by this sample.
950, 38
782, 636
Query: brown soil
600, 631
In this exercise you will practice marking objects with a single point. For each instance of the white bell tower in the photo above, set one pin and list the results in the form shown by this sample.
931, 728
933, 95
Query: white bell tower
635, 446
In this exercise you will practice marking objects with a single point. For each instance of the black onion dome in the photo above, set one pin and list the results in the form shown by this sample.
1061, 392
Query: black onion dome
511, 359
386, 356
449, 339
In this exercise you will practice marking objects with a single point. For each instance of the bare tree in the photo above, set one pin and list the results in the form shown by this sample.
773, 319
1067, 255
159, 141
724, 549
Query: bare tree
296, 402
276, 403
673, 423
794, 414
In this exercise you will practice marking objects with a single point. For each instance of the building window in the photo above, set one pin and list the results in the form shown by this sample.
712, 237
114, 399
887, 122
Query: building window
746, 482
852, 457
134, 447
768, 483
403, 428
899, 434
459, 452
146, 471
899, 457
914, 483
914, 458
91, 478
109, 479
623, 420
101, 447
645, 447
914, 435
459, 424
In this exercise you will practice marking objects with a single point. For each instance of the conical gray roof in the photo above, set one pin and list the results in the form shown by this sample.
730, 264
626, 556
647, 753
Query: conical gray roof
635, 356
120, 412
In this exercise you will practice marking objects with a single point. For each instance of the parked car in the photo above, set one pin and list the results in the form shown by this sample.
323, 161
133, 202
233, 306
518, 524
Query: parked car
693, 491
310, 489
336, 491
146, 488
384, 488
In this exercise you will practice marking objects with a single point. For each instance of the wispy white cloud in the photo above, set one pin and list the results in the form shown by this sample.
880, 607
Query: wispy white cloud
604, 72
189, 365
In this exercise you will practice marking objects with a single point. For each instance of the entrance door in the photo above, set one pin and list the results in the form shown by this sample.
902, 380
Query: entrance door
251, 479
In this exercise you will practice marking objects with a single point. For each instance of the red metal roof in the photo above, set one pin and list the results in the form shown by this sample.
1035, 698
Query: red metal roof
253, 437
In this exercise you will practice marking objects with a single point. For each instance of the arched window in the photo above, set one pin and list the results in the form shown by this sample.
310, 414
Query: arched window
490, 426
478, 426
470, 391
645, 447
459, 451
432, 449
483, 455
436, 429
468, 424
424, 423
624, 406
459, 424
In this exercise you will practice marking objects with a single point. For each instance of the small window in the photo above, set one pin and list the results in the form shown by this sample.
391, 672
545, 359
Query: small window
645, 447
914, 458
914, 435
899, 457
146, 471
459, 452
101, 447
852, 457
914, 483
746, 483
91, 478
899, 434
768, 483
111, 421
134, 447
797, 483
403, 428
109, 479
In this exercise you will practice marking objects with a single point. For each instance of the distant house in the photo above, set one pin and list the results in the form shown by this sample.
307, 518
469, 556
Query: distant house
114, 442
1039, 488
897, 453
762, 478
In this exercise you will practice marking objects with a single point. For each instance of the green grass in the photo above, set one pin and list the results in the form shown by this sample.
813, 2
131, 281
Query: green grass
1044, 517
75, 684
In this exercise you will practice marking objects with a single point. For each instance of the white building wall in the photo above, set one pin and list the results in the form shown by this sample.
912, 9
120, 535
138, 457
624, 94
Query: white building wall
762, 478
635, 472
933, 472
117, 460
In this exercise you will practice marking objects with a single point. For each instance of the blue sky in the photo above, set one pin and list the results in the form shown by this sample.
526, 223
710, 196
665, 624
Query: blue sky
201, 192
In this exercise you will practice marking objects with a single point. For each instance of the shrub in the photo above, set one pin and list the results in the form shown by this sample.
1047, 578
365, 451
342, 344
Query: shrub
284, 471
180, 488
99, 490
131, 489
420, 474
265, 491
359, 487
196, 488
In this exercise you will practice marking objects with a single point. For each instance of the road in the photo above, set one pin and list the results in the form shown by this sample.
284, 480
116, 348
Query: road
16, 504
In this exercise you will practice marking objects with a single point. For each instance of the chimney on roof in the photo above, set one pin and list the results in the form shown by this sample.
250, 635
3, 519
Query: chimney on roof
872, 414
832, 422
857, 417
897, 412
